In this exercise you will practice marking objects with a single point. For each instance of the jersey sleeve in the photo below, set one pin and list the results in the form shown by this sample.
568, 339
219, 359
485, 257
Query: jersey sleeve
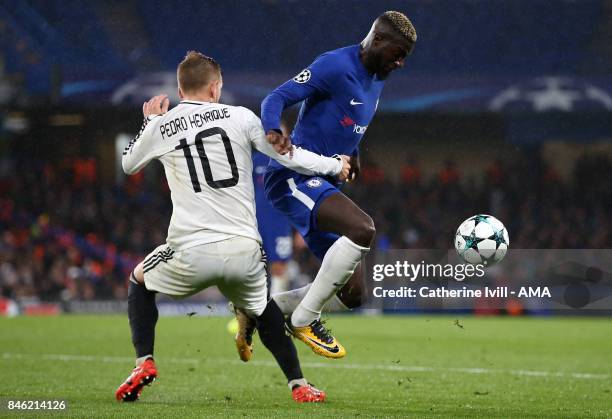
302, 161
142, 149
318, 78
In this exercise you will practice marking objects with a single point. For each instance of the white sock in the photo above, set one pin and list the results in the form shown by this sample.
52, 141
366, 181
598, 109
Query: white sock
289, 300
278, 284
142, 359
297, 382
337, 267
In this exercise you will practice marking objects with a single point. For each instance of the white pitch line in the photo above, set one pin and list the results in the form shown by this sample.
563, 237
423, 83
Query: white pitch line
90, 358
330, 365
403, 368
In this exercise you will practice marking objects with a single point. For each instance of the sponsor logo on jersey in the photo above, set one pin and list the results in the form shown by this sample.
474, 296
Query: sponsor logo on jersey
303, 77
346, 121
314, 183
358, 129
354, 102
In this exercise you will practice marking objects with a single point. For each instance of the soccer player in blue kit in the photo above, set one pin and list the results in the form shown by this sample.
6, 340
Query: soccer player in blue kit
274, 228
340, 90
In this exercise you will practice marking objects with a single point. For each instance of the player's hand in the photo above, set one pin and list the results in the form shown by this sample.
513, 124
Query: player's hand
157, 105
281, 143
355, 168
346, 168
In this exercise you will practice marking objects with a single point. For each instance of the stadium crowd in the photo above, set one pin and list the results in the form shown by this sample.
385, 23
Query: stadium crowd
65, 235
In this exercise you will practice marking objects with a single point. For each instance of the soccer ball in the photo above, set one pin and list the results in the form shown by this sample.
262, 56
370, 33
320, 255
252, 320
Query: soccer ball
232, 326
482, 239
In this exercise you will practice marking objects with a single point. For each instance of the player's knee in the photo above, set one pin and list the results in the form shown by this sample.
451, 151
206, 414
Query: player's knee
137, 275
364, 232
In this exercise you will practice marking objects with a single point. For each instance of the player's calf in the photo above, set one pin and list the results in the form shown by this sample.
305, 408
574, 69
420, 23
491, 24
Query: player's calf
143, 315
271, 326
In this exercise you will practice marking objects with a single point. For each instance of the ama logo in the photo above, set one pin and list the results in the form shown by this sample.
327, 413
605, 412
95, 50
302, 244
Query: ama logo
357, 129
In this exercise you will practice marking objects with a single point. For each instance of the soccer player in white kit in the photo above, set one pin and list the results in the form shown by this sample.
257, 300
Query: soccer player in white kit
205, 148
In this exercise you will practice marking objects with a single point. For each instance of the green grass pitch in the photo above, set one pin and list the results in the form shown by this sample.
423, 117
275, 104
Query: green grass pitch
409, 366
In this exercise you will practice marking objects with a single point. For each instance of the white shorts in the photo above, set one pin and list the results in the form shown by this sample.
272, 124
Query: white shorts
236, 266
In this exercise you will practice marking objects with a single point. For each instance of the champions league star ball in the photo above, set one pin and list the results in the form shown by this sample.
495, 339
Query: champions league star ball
482, 239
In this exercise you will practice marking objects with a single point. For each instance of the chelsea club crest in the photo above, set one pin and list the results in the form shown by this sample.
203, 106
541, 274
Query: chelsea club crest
314, 183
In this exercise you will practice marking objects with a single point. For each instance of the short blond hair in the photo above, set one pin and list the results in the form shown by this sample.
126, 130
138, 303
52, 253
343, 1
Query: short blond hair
401, 24
196, 71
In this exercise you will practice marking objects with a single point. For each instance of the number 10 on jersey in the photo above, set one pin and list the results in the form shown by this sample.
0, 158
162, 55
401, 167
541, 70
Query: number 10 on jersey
199, 145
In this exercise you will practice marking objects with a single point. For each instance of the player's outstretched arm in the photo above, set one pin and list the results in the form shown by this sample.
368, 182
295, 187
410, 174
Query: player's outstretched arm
306, 162
300, 160
280, 142
141, 150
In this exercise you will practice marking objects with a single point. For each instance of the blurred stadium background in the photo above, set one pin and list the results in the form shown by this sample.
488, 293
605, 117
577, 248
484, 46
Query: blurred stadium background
505, 107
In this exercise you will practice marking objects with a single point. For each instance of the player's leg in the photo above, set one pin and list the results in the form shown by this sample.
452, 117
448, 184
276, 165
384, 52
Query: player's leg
340, 263
275, 232
246, 326
271, 326
142, 315
246, 287
162, 271
350, 296
339, 215
342, 238
361, 230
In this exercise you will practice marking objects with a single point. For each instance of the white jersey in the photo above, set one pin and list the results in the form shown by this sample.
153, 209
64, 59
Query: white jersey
206, 152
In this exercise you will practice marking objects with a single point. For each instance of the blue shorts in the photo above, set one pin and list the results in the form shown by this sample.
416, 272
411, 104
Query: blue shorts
275, 231
298, 198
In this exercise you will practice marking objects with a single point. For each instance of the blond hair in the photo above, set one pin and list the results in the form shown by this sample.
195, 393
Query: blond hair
196, 71
401, 24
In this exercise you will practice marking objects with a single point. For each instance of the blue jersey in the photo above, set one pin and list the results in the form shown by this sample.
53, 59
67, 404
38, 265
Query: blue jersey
340, 99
